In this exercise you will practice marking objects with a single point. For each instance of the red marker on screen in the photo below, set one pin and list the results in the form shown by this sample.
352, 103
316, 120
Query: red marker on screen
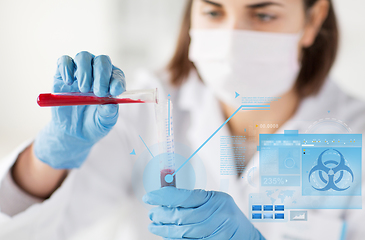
74, 99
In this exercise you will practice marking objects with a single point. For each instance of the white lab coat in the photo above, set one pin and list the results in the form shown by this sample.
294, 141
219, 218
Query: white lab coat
100, 193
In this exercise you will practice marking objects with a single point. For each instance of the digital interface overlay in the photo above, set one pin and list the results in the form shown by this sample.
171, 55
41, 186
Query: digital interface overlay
308, 171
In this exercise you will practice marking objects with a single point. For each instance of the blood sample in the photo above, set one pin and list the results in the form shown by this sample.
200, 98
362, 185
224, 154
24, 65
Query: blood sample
76, 98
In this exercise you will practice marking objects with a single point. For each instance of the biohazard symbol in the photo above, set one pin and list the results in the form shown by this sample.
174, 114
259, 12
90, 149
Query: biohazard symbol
331, 182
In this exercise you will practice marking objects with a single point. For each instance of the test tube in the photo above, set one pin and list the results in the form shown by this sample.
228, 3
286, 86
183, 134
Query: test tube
166, 143
77, 98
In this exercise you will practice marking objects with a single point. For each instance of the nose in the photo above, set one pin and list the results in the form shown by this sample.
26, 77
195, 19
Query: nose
235, 23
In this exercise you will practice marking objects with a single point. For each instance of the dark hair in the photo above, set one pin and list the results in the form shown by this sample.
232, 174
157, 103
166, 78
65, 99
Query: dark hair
316, 61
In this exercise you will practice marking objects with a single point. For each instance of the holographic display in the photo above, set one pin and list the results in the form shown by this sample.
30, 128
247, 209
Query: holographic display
311, 171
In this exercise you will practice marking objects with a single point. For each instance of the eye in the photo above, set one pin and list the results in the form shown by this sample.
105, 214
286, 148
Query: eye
263, 17
213, 14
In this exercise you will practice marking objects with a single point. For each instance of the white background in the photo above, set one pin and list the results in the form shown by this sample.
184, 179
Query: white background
134, 33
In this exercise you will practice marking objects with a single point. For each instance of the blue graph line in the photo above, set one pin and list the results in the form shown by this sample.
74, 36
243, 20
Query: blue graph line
344, 230
192, 155
243, 106
146, 146
255, 109
169, 116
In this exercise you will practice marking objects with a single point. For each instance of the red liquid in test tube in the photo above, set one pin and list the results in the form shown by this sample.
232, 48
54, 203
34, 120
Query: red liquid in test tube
52, 100
163, 174
77, 98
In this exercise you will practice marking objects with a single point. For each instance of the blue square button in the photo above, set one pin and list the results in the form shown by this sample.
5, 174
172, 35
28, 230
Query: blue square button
279, 207
256, 216
268, 208
256, 207
279, 215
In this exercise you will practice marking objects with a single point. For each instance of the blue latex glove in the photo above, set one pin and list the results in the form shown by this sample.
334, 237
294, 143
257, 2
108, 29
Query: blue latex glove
198, 214
67, 140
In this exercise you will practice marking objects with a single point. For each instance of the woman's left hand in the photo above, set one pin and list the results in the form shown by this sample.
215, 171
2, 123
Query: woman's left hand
198, 214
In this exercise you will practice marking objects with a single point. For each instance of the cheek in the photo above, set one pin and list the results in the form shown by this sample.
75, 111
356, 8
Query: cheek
199, 21
295, 16
194, 17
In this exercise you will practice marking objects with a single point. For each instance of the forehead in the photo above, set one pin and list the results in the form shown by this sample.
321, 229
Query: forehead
250, 2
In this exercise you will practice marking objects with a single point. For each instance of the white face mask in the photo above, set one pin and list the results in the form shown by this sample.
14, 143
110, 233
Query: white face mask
253, 64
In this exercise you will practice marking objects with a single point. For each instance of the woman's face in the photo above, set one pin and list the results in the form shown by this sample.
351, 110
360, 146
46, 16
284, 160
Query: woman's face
280, 16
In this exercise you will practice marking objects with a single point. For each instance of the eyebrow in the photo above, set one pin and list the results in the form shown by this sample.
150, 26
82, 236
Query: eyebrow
263, 4
213, 3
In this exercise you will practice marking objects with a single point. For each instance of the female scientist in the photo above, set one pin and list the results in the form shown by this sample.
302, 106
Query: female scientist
79, 166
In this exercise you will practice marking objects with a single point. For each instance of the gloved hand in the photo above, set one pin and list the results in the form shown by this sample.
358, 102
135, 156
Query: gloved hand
67, 140
198, 214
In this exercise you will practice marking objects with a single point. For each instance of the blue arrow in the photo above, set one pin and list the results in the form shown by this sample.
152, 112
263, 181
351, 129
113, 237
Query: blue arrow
133, 152
237, 94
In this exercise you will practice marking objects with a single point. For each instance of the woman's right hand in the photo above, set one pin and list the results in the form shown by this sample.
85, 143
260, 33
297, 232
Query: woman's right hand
67, 140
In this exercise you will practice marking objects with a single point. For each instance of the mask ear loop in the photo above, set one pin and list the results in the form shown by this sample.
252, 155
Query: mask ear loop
298, 62
300, 34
